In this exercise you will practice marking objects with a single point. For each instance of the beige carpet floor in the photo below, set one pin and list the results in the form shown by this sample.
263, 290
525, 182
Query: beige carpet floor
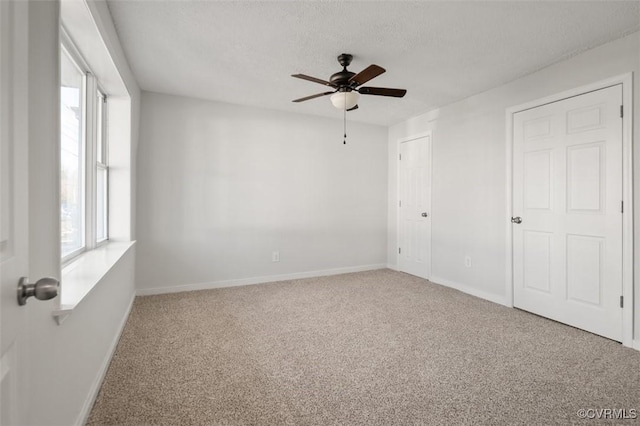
370, 348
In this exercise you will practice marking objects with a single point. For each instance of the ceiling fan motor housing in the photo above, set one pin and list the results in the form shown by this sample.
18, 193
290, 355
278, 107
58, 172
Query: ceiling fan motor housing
341, 78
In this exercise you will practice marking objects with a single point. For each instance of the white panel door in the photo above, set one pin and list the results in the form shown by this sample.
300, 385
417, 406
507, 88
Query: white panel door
414, 252
13, 210
567, 189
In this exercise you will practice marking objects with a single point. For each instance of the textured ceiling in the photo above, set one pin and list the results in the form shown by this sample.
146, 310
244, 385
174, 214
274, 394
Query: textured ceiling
244, 52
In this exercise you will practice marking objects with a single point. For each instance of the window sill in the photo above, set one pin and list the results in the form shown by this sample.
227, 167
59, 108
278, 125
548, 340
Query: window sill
81, 275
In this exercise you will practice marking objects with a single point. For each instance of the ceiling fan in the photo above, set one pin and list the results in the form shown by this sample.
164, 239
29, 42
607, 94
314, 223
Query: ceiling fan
347, 85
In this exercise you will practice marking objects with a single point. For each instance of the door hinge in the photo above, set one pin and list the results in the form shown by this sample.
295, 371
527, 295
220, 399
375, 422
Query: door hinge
621, 111
622, 301
399, 250
621, 206
400, 203
400, 157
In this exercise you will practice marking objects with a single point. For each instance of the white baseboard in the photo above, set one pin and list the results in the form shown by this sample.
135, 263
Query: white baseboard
636, 344
392, 267
97, 383
501, 300
256, 280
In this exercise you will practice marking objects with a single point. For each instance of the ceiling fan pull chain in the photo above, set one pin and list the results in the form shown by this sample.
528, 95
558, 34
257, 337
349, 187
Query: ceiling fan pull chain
344, 141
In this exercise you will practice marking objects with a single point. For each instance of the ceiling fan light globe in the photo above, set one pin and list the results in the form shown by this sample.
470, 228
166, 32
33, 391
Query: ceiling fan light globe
345, 100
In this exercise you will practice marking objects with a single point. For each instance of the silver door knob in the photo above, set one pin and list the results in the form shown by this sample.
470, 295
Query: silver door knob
516, 219
424, 214
43, 289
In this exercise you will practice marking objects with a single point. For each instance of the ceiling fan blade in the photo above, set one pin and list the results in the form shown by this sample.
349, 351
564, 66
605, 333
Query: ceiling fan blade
382, 91
315, 80
351, 109
312, 97
366, 74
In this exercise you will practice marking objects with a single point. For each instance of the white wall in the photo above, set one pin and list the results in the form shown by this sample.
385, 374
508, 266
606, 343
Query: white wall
66, 361
221, 186
469, 175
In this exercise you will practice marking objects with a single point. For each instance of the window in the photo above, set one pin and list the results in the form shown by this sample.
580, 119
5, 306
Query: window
72, 158
84, 172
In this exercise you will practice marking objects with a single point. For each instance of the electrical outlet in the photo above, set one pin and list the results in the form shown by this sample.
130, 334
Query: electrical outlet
467, 261
275, 256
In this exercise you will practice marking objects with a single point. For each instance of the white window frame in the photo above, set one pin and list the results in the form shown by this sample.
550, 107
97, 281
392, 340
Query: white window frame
104, 165
90, 140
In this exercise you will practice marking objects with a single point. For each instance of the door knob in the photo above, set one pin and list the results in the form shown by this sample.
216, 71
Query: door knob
424, 214
516, 219
43, 289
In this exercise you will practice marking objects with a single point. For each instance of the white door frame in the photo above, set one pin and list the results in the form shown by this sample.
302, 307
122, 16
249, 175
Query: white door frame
399, 142
627, 189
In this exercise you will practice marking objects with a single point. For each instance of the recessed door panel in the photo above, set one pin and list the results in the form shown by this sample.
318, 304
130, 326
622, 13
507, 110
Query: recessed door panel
537, 128
584, 119
585, 268
537, 260
537, 179
585, 177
